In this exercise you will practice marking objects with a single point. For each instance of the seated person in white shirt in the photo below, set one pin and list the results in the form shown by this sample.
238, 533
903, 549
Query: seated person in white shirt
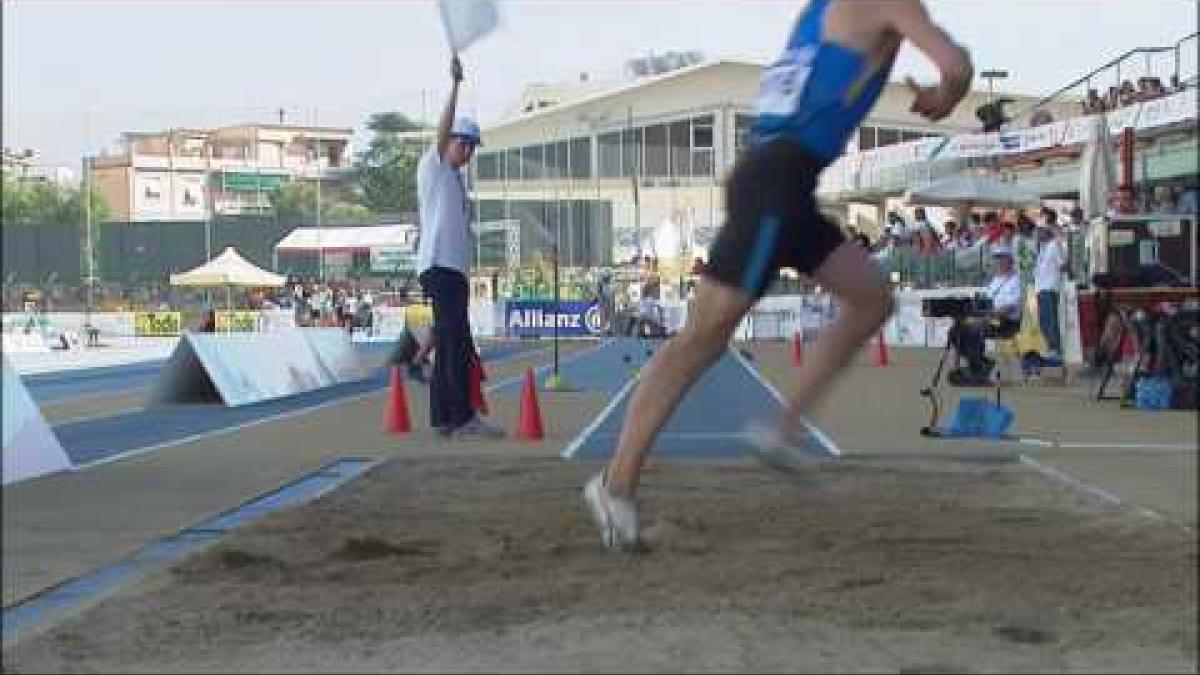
1005, 291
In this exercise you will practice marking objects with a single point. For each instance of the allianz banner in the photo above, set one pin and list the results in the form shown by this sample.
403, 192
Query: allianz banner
536, 318
156, 324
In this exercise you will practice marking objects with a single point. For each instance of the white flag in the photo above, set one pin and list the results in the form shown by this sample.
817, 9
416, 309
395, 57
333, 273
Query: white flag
468, 20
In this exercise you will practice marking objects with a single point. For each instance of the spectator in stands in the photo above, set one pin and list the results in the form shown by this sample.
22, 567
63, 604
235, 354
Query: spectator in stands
900, 234
209, 324
1188, 200
1024, 246
927, 240
1127, 94
966, 237
992, 227
1093, 104
1076, 222
1040, 117
1113, 99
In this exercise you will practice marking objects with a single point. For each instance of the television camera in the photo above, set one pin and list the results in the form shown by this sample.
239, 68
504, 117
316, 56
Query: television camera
956, 307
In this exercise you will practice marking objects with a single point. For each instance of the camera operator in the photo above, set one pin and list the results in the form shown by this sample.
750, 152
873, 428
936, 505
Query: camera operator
1004, 290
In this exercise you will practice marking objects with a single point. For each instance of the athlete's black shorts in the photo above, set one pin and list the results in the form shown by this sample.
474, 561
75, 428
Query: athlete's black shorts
773, 220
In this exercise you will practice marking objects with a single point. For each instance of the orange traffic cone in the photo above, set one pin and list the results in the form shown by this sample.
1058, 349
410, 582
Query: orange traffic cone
529, 426
797, 349
396, 419
881, 350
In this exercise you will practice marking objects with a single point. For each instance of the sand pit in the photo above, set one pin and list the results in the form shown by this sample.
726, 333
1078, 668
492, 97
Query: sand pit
465, 564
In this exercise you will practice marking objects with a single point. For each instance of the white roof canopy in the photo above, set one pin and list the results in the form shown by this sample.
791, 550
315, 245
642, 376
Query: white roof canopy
348, 238
227, 269
967, 189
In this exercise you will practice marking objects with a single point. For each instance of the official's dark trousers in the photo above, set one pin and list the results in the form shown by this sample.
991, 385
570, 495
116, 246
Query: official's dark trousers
1047, 302
454, 350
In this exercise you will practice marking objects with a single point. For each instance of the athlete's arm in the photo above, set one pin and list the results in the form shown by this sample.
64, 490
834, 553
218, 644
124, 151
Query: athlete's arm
444, 124
912, 22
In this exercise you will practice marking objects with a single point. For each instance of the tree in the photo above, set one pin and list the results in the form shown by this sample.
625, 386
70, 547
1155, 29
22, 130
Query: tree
296, 202
391, 122
27, 202
386, 172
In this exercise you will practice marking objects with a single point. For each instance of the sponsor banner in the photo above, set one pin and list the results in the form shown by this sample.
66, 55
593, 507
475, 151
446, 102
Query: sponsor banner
387, 321
237, 321
1123, 117
53, 323
157, 324
1079, 130
30, 446
537, 318
335, 353
240, 368
276, 319
482, 315
1179, 107
971, 145
393, 259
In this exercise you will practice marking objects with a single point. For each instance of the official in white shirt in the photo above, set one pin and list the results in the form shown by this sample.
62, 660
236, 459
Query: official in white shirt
1005, 291
1047, 280
443, 263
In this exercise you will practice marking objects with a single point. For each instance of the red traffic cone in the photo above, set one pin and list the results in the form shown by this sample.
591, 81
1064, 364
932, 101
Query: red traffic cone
529, 426
396, 416
797, 349
881, 350
478, 376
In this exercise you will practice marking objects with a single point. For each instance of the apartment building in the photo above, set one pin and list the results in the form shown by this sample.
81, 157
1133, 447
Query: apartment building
637, 168
24, 165
195, 174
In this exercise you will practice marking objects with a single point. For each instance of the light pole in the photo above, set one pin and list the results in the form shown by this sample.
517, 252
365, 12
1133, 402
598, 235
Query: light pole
991, 76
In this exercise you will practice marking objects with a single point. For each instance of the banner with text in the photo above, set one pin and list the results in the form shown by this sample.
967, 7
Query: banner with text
537, 318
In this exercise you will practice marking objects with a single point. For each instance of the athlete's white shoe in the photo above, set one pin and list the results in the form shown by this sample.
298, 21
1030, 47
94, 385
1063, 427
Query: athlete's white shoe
617, 518
776, 449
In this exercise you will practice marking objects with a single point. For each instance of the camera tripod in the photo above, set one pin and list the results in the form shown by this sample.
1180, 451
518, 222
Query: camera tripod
932, 430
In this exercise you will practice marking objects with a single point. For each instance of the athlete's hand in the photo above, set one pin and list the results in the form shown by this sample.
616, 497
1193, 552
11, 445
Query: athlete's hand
932, 103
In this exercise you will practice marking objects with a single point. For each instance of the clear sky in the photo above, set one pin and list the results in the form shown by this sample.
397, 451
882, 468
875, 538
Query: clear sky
77, 73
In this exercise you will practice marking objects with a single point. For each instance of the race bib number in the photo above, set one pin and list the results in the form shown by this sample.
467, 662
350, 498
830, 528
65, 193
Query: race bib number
783, 82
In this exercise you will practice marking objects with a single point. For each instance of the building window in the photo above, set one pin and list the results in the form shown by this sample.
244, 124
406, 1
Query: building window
657, 156
610, 154
702, 146
631, 152
489, 166
581, 157
490, 209
887, 137
866, 138
556, 160
533, 162
512, 164
680, 142
743, 126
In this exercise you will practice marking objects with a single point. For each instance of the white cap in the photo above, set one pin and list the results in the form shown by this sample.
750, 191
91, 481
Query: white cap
466, 128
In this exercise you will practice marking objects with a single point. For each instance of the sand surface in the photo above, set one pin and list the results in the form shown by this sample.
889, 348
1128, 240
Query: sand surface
490, 564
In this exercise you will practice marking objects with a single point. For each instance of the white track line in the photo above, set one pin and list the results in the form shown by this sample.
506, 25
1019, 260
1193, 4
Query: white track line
277, 417
816, 433
569, 451
1100, 445
1101, 493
